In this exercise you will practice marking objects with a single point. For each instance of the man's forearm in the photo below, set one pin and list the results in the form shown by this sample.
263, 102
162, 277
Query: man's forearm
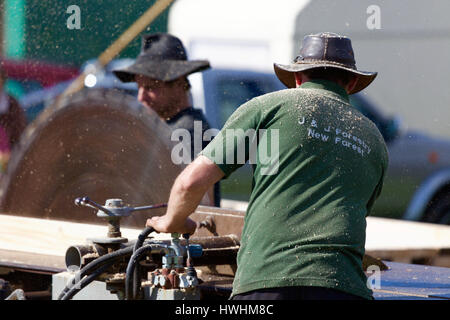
186, 194
183, 201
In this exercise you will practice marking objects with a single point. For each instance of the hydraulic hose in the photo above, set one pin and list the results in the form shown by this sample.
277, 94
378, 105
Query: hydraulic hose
99, 262
141, 238
129, 279
138, 244
85, 281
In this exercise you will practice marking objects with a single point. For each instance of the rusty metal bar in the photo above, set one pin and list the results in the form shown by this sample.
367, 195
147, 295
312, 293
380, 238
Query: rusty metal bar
215, 242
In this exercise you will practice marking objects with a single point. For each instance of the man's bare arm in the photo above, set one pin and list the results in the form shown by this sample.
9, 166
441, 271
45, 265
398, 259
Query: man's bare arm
185, 195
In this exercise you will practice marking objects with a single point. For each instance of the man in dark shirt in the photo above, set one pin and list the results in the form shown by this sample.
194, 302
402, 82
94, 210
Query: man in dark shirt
161, 71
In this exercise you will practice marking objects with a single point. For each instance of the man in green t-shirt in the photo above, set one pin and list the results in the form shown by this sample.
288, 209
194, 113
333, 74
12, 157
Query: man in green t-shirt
318, 165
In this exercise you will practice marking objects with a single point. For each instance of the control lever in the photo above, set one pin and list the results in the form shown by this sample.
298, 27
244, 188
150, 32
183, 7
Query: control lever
113, 211
114, 207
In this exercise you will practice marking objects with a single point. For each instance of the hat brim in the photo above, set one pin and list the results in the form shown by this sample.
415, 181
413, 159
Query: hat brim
286, 74
165, 70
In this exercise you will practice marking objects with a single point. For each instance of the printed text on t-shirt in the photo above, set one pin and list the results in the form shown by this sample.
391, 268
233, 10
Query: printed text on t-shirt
336, 135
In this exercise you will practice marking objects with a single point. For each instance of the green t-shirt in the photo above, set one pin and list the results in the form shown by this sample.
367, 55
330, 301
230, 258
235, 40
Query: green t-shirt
318, 167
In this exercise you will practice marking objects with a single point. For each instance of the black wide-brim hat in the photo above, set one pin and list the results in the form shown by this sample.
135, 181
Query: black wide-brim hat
163, 58
324, 50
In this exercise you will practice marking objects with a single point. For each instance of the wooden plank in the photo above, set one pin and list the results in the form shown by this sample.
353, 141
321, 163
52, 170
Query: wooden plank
32, 242
51, 237
32, 262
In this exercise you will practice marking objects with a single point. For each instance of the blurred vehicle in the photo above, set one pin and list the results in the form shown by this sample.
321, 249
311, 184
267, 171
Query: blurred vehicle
35, 101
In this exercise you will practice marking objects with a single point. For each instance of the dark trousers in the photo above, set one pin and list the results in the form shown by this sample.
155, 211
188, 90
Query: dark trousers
296, 293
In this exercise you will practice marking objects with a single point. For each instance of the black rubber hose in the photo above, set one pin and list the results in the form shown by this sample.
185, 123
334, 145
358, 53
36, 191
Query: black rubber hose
131, 267
91, 267
137, 272
85, 281
136, 276
141, 238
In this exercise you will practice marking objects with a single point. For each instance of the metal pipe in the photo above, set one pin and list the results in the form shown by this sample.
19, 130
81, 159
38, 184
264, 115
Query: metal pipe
76, 255
114, 228
99, 262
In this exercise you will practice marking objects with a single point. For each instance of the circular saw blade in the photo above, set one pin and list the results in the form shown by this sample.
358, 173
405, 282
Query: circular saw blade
97, 143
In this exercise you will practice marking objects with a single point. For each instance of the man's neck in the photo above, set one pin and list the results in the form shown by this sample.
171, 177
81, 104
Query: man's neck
173, 112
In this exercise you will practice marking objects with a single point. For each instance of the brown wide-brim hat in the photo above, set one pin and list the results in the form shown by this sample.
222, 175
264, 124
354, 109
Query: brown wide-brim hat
163, 58
324, 50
